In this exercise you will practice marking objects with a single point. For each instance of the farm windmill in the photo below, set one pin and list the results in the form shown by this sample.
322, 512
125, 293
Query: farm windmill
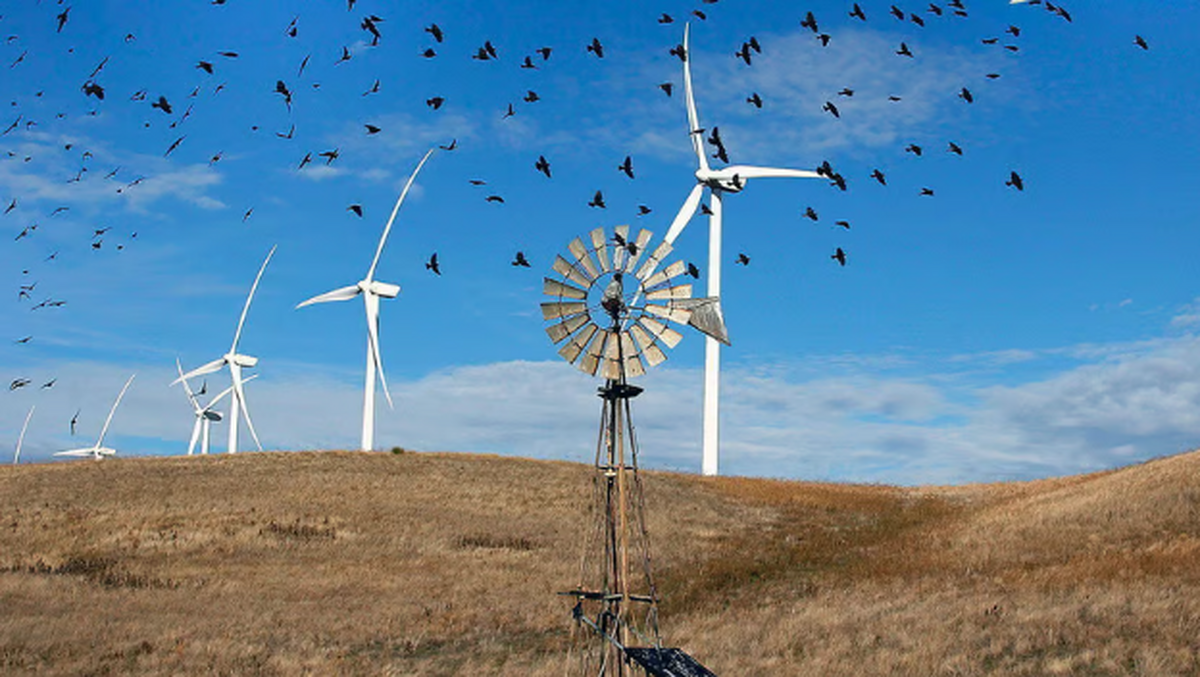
372, 290
98, 450
729, 179
235, 361
602, 329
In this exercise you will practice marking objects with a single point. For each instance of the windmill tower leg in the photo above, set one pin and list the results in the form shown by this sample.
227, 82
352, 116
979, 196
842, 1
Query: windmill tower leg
368, 420
712, 347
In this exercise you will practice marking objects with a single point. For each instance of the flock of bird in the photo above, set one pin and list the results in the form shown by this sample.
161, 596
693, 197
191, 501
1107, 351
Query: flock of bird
173, 115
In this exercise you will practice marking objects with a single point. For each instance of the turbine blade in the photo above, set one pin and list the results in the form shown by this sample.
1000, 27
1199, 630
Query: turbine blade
685, 213
246, 308
693, 117
220, 396
21, 437
373, 334
186, 388
195, 434
200, 371
241, 402
343, 294
387, 229
104, 430
752, 172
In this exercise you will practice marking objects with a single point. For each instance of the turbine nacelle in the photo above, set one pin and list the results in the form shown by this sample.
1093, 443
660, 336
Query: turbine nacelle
384, 289
211, 415
241, 360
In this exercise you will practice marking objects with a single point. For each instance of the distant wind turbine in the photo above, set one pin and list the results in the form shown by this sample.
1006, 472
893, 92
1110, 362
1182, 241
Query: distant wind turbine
730, 179
98, 450
236, 361
21, 437
205, 415
372, 290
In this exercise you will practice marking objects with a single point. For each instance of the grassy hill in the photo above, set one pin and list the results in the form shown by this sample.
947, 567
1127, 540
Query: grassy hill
447, 564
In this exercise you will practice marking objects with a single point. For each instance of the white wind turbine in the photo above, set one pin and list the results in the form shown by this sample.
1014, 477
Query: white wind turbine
21, 437
98, 450
236, 361
372, 290
730, 179
205, 414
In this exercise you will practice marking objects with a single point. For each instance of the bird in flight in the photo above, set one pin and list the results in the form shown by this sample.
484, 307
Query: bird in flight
598, 200
596, 48
435, 102
520, 260
833, 110
542, 165
904, 51
839, 256
495, 198
966, 95
432, 264
914, 149
755, 99
626, 167
18, 383
810, 213
954, 148
1015, 181
857, 12
878, 176
357, 209
693, 270
927, 192
1140, 42
372, 129
74, 420
666, 87
436, 32
742, 259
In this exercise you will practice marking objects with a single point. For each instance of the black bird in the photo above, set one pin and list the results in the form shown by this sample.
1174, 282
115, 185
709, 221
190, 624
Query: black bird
832, 109
858, 13
667, 87
435, 102
643, 210
693, 270
810, 22
626, 166
744, 53
74, 420
1014, 31
704, 209
520, 260
596, 48
18, 383
916, 19
839, 181
205, 66
291, 131
1015, 181
811, 213
477, 182
679, 51
432, 264
897, 12
825, 169
904, 51
330, 155
742, 259
162, 104
715, 140
62, 19
373, 90
992, 76
372, 129
247, 214
755, 99
305, 160
436, 32
846, 91
27, 339
934, 9
49, 384
1140, 42
528, 63
281, 88
699, 15
893, 98
542, 165
509, 113
451, 146
11, 206
303, 64
345, 55
228, 55
965, 95
843, 224
665, 19
491, 49
927, 192
598, 201
914, 149
954, 148
753, 42
495, 198
990, 41
91, 89
531, 96
1012, 48
481, 55
878, 176
545, 52
839, 256
291, 30
357, 209
824, 38
174, 145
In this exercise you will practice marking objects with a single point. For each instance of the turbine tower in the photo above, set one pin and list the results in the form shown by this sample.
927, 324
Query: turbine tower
98, 450
236, 361
372, 290
729, 179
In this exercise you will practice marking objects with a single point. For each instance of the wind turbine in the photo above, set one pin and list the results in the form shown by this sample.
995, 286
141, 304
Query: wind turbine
205, 415
98, 450
372, 290
236, 361
729, 179
21, 437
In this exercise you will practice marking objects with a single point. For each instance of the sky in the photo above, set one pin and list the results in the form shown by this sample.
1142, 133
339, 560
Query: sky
978, 334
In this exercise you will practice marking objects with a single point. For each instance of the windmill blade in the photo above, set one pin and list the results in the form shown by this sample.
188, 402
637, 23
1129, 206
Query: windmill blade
246, 308
693, 117
343, 294
660, 253
387, 229
643, 239
685, 213
648, 347
580, 277
751, 172
195, 434
241, 403
221, 395
21, 437
672, 271
372, 303
681, 291
562, 290
600, 248
87, 451
706, 316
571, 351
104, 430
580, 252
670, 312
559, 309
562, 330
621, 234
661, 332
187, 388
200, 371
592, 355
632, 363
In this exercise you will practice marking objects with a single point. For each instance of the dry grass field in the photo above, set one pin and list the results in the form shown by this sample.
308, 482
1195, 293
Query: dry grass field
447, 564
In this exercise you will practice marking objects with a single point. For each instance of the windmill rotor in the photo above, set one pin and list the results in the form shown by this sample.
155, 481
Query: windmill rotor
615, 304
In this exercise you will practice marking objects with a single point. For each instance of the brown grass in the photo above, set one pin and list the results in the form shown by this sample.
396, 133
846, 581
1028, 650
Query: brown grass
447, 564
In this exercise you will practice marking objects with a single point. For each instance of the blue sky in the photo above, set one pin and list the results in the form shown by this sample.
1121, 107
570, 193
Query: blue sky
979, 334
